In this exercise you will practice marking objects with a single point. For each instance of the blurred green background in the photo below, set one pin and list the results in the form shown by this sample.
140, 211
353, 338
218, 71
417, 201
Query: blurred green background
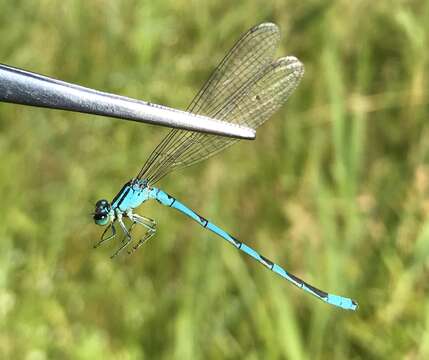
335, 188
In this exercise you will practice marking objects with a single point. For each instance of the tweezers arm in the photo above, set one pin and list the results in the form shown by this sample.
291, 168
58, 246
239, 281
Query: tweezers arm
27, 88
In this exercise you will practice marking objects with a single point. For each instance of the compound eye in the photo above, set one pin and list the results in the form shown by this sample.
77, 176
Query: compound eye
102, 204
101, 218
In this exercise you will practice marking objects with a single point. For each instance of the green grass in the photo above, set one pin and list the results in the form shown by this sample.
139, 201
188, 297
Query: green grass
336, 187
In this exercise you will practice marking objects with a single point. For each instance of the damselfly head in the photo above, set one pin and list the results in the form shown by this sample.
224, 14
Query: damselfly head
101, 213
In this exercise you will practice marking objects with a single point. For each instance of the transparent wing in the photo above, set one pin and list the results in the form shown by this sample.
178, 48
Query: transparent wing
246, 89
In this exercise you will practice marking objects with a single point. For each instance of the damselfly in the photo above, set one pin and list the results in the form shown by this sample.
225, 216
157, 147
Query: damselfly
246, 89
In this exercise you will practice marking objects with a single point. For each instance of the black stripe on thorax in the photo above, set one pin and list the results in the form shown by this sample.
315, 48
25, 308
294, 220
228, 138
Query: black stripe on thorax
122, 194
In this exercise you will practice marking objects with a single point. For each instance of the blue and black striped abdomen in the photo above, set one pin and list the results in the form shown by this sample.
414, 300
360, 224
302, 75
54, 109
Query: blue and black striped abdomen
336, 300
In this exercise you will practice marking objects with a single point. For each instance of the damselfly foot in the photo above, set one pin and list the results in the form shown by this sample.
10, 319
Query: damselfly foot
127, 236
105, 237
146, 237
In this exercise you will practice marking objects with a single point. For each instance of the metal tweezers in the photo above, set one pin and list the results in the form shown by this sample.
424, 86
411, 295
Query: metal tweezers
23, 87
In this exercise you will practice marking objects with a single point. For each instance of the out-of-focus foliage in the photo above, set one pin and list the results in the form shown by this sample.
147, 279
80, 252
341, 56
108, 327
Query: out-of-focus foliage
336, 187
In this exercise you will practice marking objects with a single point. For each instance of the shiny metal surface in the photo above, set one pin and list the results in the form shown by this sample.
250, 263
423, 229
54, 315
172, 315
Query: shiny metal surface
23, 87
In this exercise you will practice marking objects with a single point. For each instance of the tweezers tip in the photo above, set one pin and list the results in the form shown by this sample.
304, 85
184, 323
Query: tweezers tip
250, 134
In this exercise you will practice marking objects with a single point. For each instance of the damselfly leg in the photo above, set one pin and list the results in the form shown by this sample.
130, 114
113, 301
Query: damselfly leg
149, 224
127, 234
146, 222
105, 237
146, 237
